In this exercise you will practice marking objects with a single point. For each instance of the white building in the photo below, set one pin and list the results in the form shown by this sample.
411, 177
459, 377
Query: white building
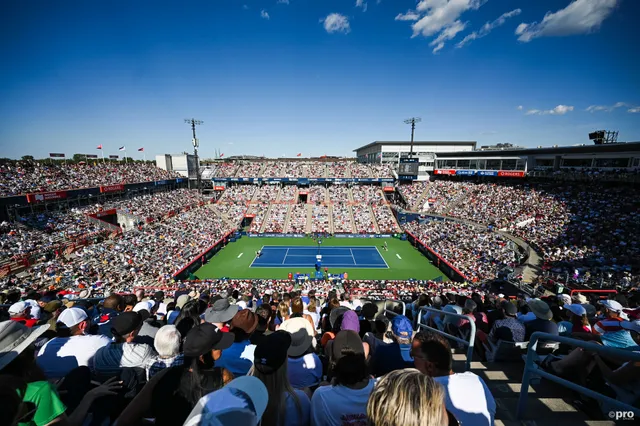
185, 164
382, 152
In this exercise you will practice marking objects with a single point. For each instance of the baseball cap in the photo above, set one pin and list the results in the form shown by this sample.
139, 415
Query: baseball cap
72, 316
145, 305
125, 323
241, 402
401, 326
612, 305
271, 352
18, 307
244, 320
346, 341
509, 308
205, 337
576, 309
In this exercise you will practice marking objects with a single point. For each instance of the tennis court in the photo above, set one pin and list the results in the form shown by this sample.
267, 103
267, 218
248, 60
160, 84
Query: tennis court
305, 257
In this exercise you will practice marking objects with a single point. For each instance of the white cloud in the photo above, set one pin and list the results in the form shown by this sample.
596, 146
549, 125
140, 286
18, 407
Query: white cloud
447, 34
559, 110
520, 107
439, 18
264, 14
488, 27
634, 110
336, 23
362, 4
579, 17
409, 16
607, 108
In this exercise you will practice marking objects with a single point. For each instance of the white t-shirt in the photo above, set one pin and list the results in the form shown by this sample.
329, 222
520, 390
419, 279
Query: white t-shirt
292, 418
305, 371
468, 398
339, 405
60, 355
315, 317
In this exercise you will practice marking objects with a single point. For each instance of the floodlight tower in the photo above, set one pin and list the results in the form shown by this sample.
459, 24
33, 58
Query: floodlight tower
412, 121
193, 122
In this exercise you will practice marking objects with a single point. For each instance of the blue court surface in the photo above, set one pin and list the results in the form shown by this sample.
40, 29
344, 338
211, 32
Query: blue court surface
332, 257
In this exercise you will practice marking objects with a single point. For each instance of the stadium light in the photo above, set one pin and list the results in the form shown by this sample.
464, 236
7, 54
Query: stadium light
193, 122
412, 121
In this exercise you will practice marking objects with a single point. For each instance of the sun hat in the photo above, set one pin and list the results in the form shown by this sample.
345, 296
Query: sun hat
579, 298
271, 352
72, 316
221, 311
612, 305
566, 299
182, 300
301, 335
15, 338
242, 401
204, 338
244, 320
576, 309
540, 309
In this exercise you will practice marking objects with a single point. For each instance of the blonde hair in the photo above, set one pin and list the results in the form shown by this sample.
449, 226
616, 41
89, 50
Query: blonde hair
407, 398
283, 309
277, 385
311, 306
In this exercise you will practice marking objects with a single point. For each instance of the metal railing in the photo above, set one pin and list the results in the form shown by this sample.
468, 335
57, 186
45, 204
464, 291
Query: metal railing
532, 370
390, 311
472, 333
92, 299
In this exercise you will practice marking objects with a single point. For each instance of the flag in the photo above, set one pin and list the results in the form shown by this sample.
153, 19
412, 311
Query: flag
299, 154
141, 149
121, 148
221, 155
99, 146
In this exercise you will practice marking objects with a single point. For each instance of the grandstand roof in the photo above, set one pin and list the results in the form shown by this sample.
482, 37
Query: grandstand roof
581, 149
418, 143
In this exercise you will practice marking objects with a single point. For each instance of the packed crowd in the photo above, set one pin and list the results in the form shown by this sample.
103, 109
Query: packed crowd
320, 219
317, 194
277, 217
289, 193
238, 194
387, 223
302, 169
259, 352
266, 194
339, 194
298, 219
367, 194
363, 219
477, 253
22, 177
341, 218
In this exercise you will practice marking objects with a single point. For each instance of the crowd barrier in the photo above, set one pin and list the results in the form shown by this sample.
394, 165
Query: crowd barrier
451, 271
593, 291
532, 370
390, 311
472, 334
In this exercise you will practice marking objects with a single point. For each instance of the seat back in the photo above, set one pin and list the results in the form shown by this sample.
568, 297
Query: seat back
506, 351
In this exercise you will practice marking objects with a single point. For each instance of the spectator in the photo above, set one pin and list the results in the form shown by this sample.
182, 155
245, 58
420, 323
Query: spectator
287, 406
72, 348
407, 398
123, 352
21, 312
467, 397
167, 344
543, 321
238, 358
396, 355
507, 327
345, 400
112, 306
610, 330
220, 313
304, 366
575, 320
263, 312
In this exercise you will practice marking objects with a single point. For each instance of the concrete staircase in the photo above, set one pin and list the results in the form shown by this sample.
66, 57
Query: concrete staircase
287, 219
278, 194
417, 206
221, 215
548, 403
309, 217
373, 217
350, 195
266, 218
330, 208
353, 220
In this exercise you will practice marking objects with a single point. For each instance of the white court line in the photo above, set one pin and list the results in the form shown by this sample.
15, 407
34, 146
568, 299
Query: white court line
285, 256
240, 255
380, 254
354, 259
398, 256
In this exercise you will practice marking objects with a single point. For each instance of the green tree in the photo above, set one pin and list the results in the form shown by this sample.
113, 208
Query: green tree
27, 158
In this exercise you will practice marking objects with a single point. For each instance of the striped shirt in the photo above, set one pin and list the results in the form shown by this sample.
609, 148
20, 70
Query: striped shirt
612, 334
155, 365
109, 360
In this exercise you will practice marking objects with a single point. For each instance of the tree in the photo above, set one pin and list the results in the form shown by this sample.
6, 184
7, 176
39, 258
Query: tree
78, 158
27, 158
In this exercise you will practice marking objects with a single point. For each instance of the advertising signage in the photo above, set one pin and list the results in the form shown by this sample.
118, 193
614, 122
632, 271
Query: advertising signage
46, 196
466, 172
107, 189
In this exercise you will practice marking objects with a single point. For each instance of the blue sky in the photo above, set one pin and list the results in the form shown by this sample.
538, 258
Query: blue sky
277, 77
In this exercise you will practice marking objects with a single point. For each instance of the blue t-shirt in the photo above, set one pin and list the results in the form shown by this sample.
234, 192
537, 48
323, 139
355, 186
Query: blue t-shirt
390, 357
238, 358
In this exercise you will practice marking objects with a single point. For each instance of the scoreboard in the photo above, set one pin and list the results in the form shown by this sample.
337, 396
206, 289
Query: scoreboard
408, 169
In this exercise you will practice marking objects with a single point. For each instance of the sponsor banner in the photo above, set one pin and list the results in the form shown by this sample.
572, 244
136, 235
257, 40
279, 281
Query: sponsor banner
388, 189
303, 181
113, 157
91, 155
303, 192
511, 173
105, 213
465, 172
271, 235
445, 172
218, 188
161, 182
111, 188
46, 196
431, 200
487, 173
362, 235
179, 180
56, 155
250, 215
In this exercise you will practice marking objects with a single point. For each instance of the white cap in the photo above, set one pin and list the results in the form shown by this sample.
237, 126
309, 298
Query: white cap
72, 316
242, 304
612, 305
18, 307
146, 305
501, 296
